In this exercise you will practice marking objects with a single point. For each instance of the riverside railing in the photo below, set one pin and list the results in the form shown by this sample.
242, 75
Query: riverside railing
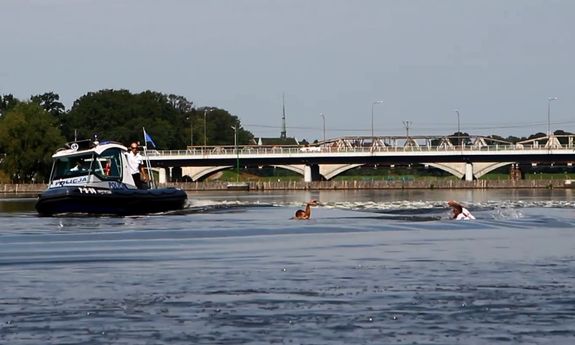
254, 150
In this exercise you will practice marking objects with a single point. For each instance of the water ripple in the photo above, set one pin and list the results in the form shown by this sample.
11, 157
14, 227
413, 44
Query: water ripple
245, 273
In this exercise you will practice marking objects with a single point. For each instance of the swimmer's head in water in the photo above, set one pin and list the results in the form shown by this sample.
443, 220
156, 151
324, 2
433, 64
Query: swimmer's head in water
456, 208
300, 214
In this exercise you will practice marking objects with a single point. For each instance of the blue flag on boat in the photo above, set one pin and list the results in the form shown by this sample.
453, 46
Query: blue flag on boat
148, 139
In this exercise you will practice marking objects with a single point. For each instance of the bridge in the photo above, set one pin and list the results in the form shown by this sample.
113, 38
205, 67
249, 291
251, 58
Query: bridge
468, 157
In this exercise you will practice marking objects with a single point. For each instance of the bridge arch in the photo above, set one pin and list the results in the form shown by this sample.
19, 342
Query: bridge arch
299, 168
456, 169
329, 171
480, 169
461, 170
196, 173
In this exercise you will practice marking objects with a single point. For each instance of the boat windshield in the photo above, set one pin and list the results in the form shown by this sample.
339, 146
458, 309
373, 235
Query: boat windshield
107, 166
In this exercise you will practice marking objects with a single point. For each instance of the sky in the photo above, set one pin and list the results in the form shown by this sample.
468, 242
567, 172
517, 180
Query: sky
497, 62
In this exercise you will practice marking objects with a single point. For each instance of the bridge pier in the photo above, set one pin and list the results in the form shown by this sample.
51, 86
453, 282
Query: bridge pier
468, 171
311, 173
515, 172
162, 178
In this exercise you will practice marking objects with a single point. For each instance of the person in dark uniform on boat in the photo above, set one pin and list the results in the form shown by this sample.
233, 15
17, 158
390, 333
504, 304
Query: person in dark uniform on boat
136, 166
306, 214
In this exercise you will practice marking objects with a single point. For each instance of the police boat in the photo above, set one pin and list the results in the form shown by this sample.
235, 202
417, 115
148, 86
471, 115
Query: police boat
92, 177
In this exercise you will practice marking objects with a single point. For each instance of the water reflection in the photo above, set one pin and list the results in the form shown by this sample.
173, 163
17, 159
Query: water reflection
16, 203
10, 203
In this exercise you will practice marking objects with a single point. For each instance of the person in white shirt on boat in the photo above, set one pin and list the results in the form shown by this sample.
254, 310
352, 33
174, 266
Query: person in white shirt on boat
136, 166
459, 212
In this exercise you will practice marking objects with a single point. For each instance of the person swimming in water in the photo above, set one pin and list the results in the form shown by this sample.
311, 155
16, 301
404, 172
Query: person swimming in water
459, 212
301, 214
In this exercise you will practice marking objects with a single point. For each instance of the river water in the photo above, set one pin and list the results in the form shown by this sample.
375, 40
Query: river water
370, 267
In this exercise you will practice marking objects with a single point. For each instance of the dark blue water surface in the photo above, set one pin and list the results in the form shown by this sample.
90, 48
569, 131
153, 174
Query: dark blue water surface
370, 267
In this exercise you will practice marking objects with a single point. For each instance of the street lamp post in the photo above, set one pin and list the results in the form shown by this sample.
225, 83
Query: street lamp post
549, 100
372, 105
191, 130
323, 117
458, 127
235, 128
205, 132
407, 124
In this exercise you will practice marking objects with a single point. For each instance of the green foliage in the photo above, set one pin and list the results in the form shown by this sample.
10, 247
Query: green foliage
120, 116
550, 176
220, 125
231, 175
29, 136
562, 140
496, 137
50, 102
7, 102
456, 138
513, 139
30, 131
4, 177
108, 115
536, 135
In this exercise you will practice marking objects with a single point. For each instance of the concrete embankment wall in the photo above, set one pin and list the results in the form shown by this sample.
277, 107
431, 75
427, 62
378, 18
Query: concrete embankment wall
22, 188
334, 185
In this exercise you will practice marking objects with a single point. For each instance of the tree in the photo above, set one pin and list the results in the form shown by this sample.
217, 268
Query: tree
7, 102
29, 136
219, 128
456, 138
536, 135
459, 138
513, 139
119, 115
105, 114
496, 137
562, 139
180, 103
50, 102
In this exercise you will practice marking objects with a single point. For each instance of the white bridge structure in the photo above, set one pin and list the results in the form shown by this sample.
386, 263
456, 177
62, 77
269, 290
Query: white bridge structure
468, 157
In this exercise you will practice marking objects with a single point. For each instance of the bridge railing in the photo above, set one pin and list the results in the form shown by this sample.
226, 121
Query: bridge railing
255, 150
